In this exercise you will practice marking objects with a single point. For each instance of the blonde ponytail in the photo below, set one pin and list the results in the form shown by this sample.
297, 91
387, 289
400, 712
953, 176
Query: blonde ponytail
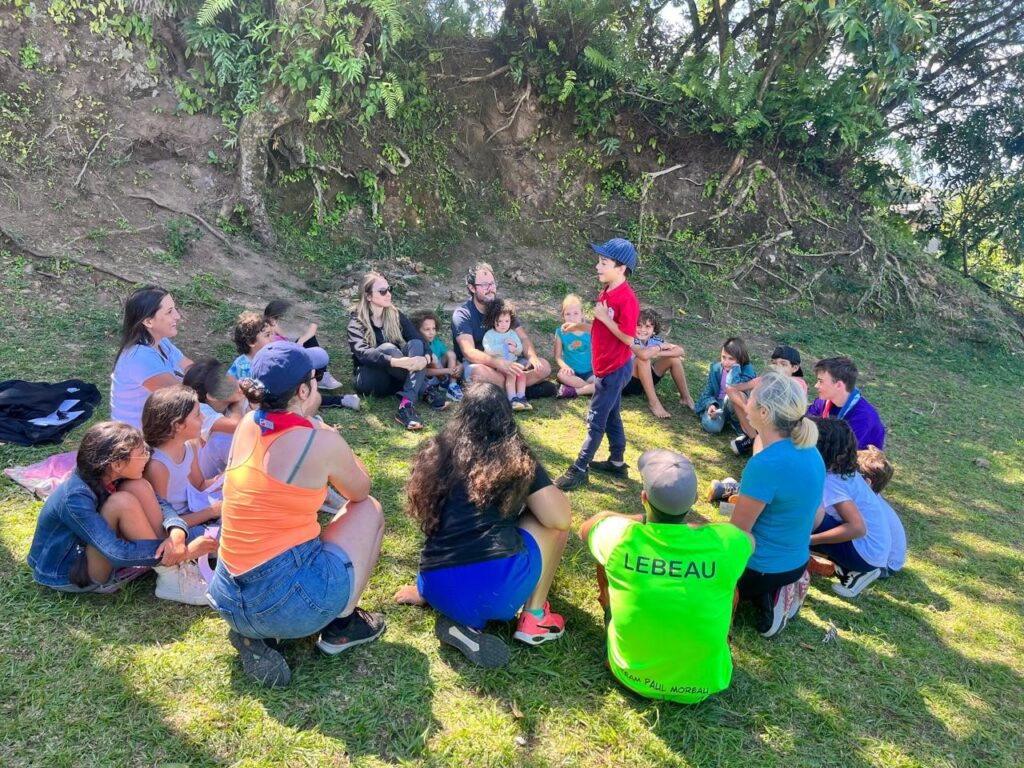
786, 406
805, 433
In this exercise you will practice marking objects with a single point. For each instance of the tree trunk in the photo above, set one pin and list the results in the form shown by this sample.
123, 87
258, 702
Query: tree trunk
278, 107
254, 135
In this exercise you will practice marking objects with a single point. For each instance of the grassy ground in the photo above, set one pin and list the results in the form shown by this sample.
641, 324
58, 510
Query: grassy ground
927, 668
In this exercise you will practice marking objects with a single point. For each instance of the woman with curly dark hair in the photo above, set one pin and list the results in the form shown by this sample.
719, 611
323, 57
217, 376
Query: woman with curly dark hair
495, 526
851, 528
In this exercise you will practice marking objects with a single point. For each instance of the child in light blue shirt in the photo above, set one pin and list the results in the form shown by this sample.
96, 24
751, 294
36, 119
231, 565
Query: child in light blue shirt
503, 342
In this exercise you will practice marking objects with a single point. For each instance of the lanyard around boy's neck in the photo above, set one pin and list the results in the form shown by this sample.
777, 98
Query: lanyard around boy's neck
851, 401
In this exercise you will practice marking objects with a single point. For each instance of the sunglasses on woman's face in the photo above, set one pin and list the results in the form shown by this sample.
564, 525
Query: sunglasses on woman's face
383, 291
319, 375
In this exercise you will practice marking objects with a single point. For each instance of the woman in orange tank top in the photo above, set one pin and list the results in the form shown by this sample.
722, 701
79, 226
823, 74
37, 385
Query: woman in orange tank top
278, 576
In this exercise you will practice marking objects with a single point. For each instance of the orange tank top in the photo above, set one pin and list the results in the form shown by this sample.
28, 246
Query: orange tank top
261, 516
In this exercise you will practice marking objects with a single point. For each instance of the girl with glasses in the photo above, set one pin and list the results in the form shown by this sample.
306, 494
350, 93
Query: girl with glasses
103, 525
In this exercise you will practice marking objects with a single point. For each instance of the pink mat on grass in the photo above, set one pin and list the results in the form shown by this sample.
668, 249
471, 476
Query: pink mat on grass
43, 477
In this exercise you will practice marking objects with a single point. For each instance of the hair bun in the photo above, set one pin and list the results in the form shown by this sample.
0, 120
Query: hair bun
253, 389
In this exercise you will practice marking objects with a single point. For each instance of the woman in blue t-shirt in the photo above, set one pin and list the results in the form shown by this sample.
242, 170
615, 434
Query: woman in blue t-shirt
496, 528
779, 495
147, 360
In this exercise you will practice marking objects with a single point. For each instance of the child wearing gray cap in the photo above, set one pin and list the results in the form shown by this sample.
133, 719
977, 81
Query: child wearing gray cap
667, 586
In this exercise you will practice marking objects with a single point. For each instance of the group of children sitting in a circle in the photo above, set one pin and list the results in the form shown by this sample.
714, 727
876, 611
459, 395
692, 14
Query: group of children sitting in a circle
204, 459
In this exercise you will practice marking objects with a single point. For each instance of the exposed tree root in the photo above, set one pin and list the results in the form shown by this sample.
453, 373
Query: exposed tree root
49, 257
489, 76
515, 111
196, 217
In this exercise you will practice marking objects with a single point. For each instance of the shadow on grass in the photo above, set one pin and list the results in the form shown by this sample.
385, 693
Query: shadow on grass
373, 700
65, 686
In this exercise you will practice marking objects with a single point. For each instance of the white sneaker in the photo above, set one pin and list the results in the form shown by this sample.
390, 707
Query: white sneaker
328, 382
350, 401
333, 503
181, 583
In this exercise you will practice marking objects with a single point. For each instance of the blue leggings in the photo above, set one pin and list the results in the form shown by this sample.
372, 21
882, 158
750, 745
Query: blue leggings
604, 417
843, 554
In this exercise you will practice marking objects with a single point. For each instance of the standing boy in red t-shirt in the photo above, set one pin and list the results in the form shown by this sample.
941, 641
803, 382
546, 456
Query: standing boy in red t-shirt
612, 335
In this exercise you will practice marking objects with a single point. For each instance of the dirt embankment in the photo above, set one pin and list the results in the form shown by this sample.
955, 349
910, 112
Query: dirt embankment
102, 175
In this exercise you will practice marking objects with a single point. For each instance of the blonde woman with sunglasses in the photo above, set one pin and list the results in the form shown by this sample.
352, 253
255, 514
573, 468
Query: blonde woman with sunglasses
388, 354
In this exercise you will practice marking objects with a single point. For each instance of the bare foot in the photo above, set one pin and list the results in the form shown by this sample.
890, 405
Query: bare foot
409, 595
659, 411
688, 402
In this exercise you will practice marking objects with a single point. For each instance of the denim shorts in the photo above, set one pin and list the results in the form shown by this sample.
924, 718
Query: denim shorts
295, 594
476, 593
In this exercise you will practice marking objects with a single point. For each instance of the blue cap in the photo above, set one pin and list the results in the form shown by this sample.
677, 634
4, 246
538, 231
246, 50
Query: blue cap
282, 365
618, 249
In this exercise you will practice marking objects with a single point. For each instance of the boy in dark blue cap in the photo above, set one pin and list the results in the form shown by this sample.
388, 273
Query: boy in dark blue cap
612, 334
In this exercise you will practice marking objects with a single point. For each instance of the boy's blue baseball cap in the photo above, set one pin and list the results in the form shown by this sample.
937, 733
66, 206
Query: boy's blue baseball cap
618, 249
282, 365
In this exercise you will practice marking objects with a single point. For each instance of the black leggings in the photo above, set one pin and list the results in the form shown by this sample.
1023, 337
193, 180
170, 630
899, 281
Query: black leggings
760, 588
755, 584
370, 380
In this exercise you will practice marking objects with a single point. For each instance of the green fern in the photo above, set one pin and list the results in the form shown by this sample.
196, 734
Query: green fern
393, 96
599, 61
568, 86
319, 108
211, 9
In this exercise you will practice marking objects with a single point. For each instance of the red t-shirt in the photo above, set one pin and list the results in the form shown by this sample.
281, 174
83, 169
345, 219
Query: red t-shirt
608, 353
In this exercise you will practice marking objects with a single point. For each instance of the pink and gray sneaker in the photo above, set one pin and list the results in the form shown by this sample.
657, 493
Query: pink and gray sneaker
534, 631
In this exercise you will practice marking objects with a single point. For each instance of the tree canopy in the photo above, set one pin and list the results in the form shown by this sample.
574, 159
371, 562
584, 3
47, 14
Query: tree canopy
929, 88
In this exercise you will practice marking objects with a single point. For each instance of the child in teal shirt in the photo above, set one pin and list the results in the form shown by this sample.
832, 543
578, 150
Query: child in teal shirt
443, 369
572, 352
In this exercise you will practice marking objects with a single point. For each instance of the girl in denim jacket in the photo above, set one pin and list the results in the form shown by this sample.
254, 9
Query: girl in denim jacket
733, 367
104, 526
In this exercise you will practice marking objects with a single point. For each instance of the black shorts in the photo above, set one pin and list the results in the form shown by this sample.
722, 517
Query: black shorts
636, 387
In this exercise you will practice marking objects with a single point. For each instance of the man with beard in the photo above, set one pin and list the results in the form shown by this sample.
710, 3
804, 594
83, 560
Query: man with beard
468, 333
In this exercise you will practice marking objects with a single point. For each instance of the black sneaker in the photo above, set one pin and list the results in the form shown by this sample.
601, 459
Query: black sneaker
572, 478
742, 445
852, 583
330, 401
436, 398
774, 614
355, 629
608, 468
260, 661
407, 417
482, 649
